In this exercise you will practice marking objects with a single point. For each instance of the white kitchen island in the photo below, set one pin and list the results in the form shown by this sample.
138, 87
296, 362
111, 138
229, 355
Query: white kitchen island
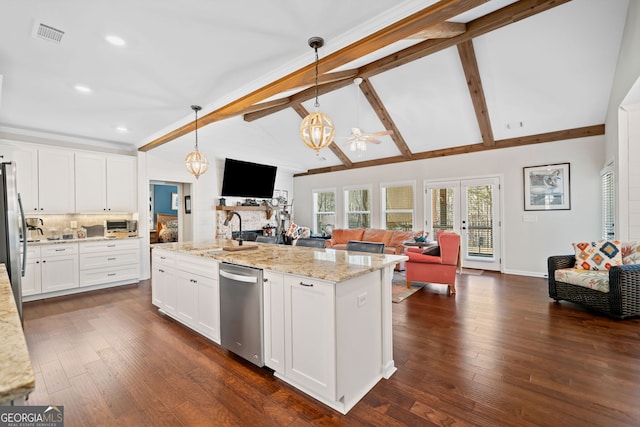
327, 313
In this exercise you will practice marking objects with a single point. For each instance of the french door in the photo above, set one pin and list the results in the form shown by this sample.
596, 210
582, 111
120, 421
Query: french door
470, 207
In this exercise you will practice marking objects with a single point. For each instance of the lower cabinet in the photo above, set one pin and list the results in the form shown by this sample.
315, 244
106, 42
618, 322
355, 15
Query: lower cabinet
32, 280
109, 261
59, 267
186, 287
323, 337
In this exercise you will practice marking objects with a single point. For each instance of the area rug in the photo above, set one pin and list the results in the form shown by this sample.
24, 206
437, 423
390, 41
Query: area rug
399, 290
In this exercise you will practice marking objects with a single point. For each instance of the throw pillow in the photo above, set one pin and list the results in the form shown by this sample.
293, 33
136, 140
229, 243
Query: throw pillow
600, 255
631, 253
432, 250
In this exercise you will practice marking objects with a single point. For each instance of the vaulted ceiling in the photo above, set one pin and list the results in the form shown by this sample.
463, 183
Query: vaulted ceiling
447, 77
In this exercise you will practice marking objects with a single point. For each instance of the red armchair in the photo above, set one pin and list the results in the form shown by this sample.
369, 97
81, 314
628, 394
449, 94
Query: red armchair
435, 269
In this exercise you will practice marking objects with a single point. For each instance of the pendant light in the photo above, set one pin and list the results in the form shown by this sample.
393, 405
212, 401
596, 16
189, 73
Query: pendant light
316, 130
196, 162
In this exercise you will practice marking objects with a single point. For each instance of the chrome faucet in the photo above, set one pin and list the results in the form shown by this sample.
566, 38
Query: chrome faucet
226, 222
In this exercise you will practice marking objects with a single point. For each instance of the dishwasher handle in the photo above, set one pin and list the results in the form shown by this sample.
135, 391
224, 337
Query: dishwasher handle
238, 277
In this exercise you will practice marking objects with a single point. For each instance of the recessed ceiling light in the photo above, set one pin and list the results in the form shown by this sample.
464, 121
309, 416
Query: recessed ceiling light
83, 88
122, 129
115, 40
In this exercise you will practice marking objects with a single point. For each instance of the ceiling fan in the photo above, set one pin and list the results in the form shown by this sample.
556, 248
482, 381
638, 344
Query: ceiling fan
359, 139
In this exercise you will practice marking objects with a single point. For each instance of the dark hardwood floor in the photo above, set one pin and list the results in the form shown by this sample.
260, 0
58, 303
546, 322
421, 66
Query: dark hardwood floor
498, 353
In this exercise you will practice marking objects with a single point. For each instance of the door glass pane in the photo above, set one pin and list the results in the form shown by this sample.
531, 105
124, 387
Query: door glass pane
479, 221
442, 209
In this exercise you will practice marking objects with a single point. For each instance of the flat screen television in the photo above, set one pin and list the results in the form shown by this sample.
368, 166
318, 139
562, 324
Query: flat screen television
246, 179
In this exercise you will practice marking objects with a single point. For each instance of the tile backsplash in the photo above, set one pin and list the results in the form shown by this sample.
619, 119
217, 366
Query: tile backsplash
63, 221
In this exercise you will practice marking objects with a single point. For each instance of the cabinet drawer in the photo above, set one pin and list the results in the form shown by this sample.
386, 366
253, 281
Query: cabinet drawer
98, 276
109, 246
99, 260
59, 249
164, 257
197, 265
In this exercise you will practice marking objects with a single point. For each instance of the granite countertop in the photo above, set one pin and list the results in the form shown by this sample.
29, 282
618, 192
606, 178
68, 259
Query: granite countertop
44, 241
326, 264
16, 373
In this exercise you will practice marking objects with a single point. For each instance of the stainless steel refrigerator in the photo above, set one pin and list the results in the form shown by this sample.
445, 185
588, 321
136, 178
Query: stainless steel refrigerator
11, 222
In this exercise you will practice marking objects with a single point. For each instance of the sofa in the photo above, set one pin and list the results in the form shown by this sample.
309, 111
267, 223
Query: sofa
609, 287
392, 239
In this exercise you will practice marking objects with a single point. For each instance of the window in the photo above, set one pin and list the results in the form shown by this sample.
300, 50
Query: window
608, 203
357, 204
324, 210
398, 202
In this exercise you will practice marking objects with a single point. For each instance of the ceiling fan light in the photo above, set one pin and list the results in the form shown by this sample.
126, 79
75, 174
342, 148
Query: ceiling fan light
196, 163
317, 131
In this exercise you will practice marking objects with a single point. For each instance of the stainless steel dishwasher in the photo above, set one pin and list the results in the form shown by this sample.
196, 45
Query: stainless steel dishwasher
241, 295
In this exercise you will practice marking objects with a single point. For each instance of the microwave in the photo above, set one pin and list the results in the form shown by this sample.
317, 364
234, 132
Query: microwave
121, 228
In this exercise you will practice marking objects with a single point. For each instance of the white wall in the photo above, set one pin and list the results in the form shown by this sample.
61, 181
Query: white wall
526, 244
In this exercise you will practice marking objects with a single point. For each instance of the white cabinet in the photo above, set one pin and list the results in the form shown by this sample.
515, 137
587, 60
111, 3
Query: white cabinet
109, 261
186, 287
274, 321
163, 280
310, 338
59, 267
324, 337
56, 179
105, 183
32, 280
45, 178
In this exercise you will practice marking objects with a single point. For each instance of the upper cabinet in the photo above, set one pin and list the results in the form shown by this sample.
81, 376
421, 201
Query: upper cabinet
45, 178
105, 183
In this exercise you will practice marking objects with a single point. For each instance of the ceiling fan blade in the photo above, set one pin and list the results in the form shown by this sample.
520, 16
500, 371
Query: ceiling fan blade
372, 140
381, 133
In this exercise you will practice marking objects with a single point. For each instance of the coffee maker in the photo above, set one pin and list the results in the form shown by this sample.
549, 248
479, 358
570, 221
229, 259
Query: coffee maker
34, 231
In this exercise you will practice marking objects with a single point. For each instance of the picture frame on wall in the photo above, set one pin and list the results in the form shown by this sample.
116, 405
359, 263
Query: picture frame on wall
547, 187
175, 204
187, 204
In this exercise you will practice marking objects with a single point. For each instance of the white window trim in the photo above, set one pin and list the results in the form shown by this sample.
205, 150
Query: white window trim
383, 211
345, 202
315, 191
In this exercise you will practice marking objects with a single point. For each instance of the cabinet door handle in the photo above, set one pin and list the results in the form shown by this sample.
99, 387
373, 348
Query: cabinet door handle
193, 281
111, 274
111, 246
161, 271
60, 250
111, 259
309, 285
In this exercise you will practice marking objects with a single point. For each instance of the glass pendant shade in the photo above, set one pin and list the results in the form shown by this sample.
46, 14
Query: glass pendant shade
316, 131
196, 163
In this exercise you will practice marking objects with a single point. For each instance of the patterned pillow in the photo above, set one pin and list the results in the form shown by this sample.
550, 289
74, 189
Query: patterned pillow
631, 253
601, 255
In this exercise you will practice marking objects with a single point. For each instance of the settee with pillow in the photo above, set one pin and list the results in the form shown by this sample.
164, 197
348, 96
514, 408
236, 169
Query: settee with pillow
392, 239
603, 276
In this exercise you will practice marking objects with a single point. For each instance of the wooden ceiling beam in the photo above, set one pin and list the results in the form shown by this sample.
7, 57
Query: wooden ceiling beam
485, 24
385, 118
431, 15
441, 30
493, 21
473, 148
472, 74
302, 112
297, 98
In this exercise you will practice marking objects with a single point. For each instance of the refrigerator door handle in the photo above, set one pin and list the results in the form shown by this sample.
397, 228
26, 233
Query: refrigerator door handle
24, 237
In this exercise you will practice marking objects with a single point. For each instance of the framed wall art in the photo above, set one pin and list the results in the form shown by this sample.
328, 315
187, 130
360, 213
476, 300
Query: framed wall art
547, 187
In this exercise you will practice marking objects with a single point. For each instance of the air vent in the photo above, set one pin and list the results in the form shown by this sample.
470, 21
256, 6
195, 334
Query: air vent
47, 32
